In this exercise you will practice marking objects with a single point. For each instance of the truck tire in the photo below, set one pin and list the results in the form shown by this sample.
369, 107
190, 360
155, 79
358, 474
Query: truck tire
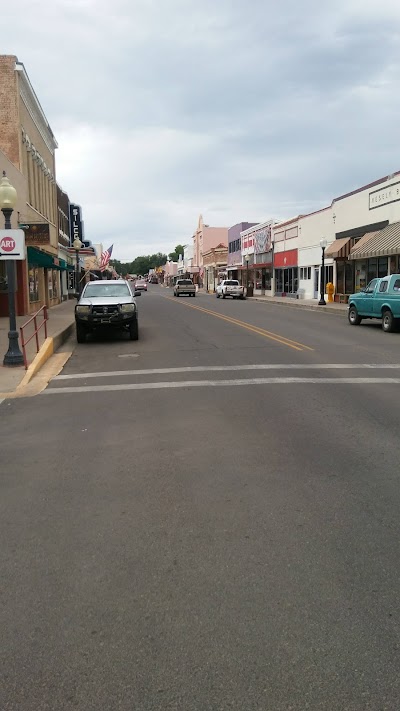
388, 322
194, 294
353, 316
134, 330
223, 295
81, 333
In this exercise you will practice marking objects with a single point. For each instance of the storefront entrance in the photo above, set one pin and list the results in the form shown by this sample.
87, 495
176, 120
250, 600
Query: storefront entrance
286, 281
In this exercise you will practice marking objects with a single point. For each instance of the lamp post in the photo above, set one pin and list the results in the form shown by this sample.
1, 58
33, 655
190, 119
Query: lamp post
322, 301
8, 200
247, 257
77, 245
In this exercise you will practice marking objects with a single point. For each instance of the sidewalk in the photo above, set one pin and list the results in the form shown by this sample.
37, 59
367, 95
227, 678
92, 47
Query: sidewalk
61, 317
309, 304
303, 304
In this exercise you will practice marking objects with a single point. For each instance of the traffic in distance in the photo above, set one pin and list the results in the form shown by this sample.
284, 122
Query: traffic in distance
111, 304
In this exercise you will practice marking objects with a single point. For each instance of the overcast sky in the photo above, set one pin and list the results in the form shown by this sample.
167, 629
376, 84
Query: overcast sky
236, 109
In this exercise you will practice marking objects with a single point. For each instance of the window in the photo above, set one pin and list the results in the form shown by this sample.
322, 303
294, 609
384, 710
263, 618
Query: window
371, 286
396, 285
94, 290
33, 277
305, 272
383, 286
329, 274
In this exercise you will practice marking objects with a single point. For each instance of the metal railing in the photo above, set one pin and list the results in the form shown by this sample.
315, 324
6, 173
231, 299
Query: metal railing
35, 333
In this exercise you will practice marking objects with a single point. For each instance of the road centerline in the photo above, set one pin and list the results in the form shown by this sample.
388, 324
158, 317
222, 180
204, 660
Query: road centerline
295, 345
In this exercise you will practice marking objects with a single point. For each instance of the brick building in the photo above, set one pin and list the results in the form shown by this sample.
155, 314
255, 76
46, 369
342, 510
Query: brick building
27, 152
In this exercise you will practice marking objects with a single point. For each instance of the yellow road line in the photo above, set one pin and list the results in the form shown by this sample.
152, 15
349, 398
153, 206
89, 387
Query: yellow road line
255, 329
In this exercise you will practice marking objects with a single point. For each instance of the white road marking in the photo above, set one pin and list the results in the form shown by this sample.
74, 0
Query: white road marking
222, 368
219, 383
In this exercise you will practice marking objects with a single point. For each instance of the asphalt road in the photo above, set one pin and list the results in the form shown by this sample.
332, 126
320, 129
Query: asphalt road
220, 531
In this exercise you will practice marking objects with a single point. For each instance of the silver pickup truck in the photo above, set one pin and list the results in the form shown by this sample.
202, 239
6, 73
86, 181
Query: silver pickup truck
184, 286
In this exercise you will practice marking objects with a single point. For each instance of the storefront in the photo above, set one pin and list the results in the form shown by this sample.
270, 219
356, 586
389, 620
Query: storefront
286, 273
376, 255
43, 278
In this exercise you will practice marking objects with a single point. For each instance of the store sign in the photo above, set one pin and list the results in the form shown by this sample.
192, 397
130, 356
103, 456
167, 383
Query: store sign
285, 259
75, 220
248, 244
12, 244
37, 234
384, 196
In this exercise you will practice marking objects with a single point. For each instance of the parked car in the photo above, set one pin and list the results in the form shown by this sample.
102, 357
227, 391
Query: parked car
184, 286
141, 285
107, 304
153, 279
230, 287
380, 300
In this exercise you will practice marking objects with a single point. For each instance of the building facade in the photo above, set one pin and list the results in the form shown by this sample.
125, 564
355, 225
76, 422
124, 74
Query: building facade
215, 266
204, 239
28, 143
257, 257
235, 258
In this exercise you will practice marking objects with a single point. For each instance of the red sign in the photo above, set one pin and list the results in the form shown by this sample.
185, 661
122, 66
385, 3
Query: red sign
285, 259
7, 244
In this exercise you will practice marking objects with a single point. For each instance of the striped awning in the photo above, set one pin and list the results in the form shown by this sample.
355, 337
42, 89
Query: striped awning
380, 244
340, 248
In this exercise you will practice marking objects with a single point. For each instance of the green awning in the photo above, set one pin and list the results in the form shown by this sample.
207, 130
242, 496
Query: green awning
38, 258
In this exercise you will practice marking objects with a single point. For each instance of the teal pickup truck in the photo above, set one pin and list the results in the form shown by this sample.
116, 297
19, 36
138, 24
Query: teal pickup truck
380, 299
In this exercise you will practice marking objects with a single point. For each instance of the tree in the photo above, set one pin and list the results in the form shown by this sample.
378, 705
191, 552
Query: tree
174, 256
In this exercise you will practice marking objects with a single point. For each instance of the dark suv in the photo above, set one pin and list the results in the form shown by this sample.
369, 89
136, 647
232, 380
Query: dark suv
106, 304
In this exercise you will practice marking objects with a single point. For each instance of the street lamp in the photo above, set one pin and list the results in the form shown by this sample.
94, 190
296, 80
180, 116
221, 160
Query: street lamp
8, 200
247, 257
322, 301
77, 245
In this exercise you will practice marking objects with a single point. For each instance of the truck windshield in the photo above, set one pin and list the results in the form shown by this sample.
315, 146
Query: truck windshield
107, 289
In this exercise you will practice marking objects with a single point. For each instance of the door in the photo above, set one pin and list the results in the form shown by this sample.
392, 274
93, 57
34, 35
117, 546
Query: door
316, 282
365, 299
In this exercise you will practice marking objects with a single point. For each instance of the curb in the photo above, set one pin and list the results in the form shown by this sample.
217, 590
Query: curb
51, 344
305, 307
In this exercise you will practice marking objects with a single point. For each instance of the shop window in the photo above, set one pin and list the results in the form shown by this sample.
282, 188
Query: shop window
33, 278
372, 269
382, 266
55, 284
328, 274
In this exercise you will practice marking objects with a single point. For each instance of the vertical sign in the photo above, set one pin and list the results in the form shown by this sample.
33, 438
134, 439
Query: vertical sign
75, 221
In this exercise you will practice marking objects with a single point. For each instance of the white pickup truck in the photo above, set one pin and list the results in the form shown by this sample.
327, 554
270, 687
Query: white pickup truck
230, 287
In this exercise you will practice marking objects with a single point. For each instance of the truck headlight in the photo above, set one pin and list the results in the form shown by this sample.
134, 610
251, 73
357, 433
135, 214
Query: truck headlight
83, 310
128, 308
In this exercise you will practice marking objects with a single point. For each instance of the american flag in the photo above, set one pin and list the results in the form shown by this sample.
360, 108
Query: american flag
105, 258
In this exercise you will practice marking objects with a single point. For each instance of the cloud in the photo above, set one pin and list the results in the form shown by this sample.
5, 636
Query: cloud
236, 110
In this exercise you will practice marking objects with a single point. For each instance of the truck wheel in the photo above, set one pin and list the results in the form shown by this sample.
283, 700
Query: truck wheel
134, 330
387, 321
217, 295
241, 297
223, 295
80, 333
354, 318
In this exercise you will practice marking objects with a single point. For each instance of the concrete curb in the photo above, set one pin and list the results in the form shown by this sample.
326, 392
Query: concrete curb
51, 344
298, 305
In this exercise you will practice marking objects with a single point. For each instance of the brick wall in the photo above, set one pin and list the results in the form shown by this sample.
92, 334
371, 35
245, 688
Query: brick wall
9, 110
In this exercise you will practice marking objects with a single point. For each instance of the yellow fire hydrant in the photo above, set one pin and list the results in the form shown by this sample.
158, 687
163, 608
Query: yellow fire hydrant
330, 290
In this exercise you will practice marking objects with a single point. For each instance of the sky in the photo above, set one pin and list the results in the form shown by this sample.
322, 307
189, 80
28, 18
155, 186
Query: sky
239, 110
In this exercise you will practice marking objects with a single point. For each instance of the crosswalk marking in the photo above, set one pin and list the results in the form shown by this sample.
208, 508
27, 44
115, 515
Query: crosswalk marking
225, 368
220, 383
